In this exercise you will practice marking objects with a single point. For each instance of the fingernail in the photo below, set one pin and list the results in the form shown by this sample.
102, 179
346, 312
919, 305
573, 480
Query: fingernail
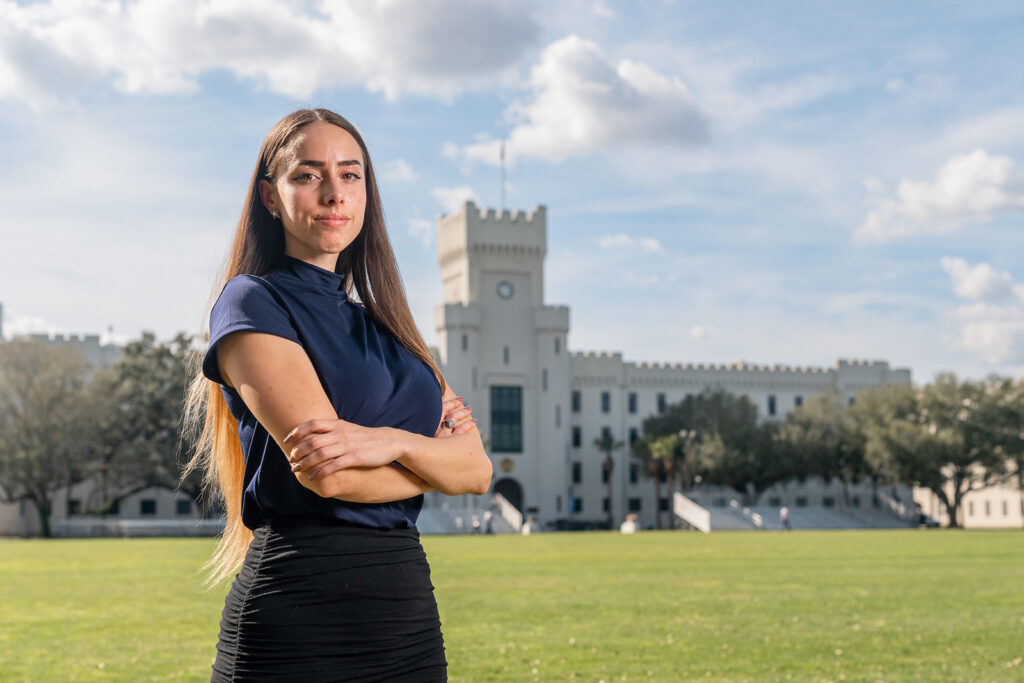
474, 419
295, 467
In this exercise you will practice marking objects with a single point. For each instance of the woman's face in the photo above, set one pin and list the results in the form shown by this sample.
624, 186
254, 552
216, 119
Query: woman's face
319, 194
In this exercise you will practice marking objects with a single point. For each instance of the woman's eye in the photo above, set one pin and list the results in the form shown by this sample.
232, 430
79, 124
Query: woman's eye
351, 176
305, 178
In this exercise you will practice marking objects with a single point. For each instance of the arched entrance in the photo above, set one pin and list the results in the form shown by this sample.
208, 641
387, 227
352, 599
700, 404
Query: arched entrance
511, 491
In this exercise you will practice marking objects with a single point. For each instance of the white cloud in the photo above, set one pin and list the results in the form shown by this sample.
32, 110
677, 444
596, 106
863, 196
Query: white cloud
431, 47
581, 102
15, 325
992, 327
422, 230
969, 187
397, 171
647, 245
981, 282
452, 198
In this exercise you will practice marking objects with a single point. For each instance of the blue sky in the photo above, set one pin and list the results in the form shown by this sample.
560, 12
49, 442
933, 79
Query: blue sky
779, 182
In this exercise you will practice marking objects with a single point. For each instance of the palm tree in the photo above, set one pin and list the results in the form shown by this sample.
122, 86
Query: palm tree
664, 451
606, 443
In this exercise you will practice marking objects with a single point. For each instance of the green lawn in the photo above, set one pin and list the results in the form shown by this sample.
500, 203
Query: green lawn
855, 606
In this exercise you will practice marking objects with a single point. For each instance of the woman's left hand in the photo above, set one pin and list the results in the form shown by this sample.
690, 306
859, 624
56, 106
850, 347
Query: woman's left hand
321, 447
456, 418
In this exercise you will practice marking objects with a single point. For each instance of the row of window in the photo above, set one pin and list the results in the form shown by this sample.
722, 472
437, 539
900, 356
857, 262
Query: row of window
635, 505
988, 508
465, 345
577, 473
147, 506
606, 433
631, 401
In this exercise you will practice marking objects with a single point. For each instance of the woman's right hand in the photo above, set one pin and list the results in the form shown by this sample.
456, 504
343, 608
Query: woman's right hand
452, 410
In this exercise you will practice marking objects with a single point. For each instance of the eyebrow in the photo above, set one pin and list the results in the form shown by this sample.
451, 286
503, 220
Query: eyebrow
321, 164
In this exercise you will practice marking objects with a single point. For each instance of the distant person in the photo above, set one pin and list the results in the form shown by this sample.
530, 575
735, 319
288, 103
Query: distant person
326, 419
476, 523
628, 525
488, 522
527, 527
784, 518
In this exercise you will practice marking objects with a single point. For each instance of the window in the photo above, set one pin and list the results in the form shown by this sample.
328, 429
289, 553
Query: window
1006, 509
634, 474
558, 345
801, 501
115, 508
558, 416
775, 502
798, 400
544, 379
74, 507
606, 504
633, 435
577, 505
606, 433
576, 401
147, 506
577, 472
661, 403
663, 505
474, 378
970, 509
988, 508
507, 419
465, 342
504, 354
183, 507
771, 404
558, 503
828, 501
632, 403
577, 437
635, 504
855, 501
606, 401
604, 475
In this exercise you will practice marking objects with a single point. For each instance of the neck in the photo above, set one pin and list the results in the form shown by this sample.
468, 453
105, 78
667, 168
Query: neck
319, 259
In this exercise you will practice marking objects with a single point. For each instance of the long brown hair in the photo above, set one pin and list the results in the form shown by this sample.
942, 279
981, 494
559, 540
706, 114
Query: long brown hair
371, 274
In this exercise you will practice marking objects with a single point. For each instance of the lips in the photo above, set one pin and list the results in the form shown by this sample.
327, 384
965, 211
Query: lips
333, 220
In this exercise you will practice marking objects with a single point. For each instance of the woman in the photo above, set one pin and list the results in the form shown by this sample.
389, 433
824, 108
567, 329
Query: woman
325, 422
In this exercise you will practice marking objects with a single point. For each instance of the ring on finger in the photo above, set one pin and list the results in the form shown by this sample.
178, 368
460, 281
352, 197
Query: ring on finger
450, 424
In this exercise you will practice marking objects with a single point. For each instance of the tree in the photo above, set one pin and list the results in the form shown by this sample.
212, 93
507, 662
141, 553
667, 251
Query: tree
137, 423
44, 423
607, 444
824, 438
939, 437
722, 442
656, 466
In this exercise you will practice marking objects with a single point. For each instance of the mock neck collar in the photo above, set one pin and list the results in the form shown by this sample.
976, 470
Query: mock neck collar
318, 278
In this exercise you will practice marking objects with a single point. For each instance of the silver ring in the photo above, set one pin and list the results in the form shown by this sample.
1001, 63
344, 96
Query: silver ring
450, 424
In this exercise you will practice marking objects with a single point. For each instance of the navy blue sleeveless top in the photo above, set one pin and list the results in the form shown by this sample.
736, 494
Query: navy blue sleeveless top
370, 378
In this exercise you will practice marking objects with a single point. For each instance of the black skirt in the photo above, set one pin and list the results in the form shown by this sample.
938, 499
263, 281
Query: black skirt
317, 601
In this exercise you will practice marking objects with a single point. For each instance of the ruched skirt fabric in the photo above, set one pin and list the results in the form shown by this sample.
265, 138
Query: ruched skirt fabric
318, 602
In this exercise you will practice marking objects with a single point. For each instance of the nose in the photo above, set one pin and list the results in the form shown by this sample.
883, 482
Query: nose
332, 191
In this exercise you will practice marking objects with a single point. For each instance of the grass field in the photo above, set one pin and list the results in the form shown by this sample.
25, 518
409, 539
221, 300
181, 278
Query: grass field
855, 606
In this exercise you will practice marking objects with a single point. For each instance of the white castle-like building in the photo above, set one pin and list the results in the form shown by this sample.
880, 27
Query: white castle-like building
541, 406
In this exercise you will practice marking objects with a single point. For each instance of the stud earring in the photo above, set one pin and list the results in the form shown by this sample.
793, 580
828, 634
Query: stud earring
276, 215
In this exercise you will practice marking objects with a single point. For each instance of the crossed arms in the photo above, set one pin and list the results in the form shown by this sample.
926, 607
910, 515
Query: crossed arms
339, 459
